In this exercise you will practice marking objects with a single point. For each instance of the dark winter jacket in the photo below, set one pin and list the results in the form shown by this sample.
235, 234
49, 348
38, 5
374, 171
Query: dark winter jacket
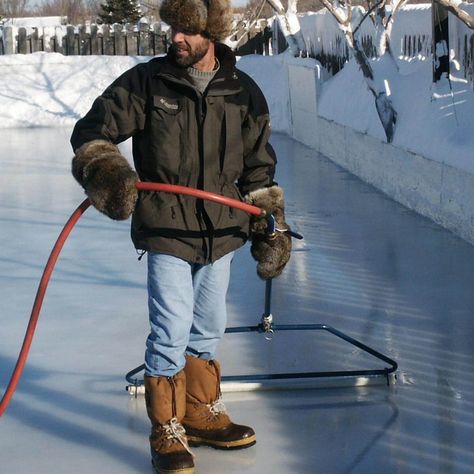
216, 141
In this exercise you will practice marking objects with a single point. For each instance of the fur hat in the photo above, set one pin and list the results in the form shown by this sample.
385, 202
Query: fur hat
213, 18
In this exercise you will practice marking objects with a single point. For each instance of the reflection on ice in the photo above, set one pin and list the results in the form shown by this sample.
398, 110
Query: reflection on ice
385, 276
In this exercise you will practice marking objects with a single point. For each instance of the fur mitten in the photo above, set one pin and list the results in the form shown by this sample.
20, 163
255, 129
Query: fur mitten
272, 252
107, 178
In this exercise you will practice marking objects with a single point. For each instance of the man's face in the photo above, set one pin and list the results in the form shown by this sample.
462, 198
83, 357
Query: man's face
188, 49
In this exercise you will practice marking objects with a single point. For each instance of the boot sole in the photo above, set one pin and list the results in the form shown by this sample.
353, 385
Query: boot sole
196, 441
186, 470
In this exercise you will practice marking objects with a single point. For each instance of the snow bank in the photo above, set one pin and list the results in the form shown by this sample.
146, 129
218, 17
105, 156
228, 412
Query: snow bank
52, 90
435, 121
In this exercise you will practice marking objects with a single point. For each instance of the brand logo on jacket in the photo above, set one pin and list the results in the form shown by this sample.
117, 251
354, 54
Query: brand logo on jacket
168, 105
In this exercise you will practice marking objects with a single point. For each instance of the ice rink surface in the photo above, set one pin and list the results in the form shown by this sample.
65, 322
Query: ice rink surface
367, 266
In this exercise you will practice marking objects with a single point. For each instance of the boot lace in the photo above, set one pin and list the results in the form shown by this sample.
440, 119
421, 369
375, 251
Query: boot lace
175, 430
217, 407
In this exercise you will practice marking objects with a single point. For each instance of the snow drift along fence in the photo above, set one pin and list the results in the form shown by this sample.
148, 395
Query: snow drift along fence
411, 37
142, 39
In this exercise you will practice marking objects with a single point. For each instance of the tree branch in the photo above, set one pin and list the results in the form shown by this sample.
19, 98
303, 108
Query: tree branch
335, 13
369, 11
452, 7
395, 9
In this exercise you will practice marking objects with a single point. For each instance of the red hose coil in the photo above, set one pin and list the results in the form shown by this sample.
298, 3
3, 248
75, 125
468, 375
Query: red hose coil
48, 270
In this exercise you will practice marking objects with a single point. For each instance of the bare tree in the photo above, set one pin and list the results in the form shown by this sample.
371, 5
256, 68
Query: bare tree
290, 25
251, 15
263, 8
347, 16
14, 8
383, 19
453, 7
76, 11
288, 19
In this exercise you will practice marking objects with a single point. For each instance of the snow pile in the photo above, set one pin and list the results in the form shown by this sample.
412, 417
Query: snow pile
51, 90
434, 120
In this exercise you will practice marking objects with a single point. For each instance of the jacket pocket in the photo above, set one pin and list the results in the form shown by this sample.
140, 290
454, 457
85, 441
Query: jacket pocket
233, 163
162, 145
157, 210
166, 105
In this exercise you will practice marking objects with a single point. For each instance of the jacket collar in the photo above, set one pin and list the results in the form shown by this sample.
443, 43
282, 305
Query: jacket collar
226, 80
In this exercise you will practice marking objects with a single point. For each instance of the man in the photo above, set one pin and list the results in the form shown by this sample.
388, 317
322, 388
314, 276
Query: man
196, 121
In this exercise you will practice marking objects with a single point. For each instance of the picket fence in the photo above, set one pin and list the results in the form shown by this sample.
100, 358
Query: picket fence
142, 39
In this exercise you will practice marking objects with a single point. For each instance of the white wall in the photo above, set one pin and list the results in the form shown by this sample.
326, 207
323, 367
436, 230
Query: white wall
433, 189
303, 102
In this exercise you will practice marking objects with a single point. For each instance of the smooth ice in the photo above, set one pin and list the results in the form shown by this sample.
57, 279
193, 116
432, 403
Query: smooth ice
367, 266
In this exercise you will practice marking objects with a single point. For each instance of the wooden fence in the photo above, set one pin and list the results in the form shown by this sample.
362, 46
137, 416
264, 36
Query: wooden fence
131, 40
142, 39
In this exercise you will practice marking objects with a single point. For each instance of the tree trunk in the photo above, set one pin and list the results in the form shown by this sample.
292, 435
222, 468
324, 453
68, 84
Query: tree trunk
453, 7
290, 26
387, 114
439, 17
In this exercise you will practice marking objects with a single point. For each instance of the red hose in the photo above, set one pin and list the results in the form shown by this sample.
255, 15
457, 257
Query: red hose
48, 270
173, 188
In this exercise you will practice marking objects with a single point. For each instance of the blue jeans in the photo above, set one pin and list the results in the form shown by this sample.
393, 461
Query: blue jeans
187, 310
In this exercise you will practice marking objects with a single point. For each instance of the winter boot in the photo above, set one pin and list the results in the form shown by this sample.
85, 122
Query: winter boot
166, 404
206, 421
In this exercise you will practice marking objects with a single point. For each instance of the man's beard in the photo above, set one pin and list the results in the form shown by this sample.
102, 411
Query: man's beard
193, 56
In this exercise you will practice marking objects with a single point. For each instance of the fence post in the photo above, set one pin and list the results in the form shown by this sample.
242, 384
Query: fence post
22, 46
8, 40
95, 48
158, 46
35, 41
84, 41
70, 41
131, 39
57, 40
109, 48
439, 18
119, 38
143, 39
